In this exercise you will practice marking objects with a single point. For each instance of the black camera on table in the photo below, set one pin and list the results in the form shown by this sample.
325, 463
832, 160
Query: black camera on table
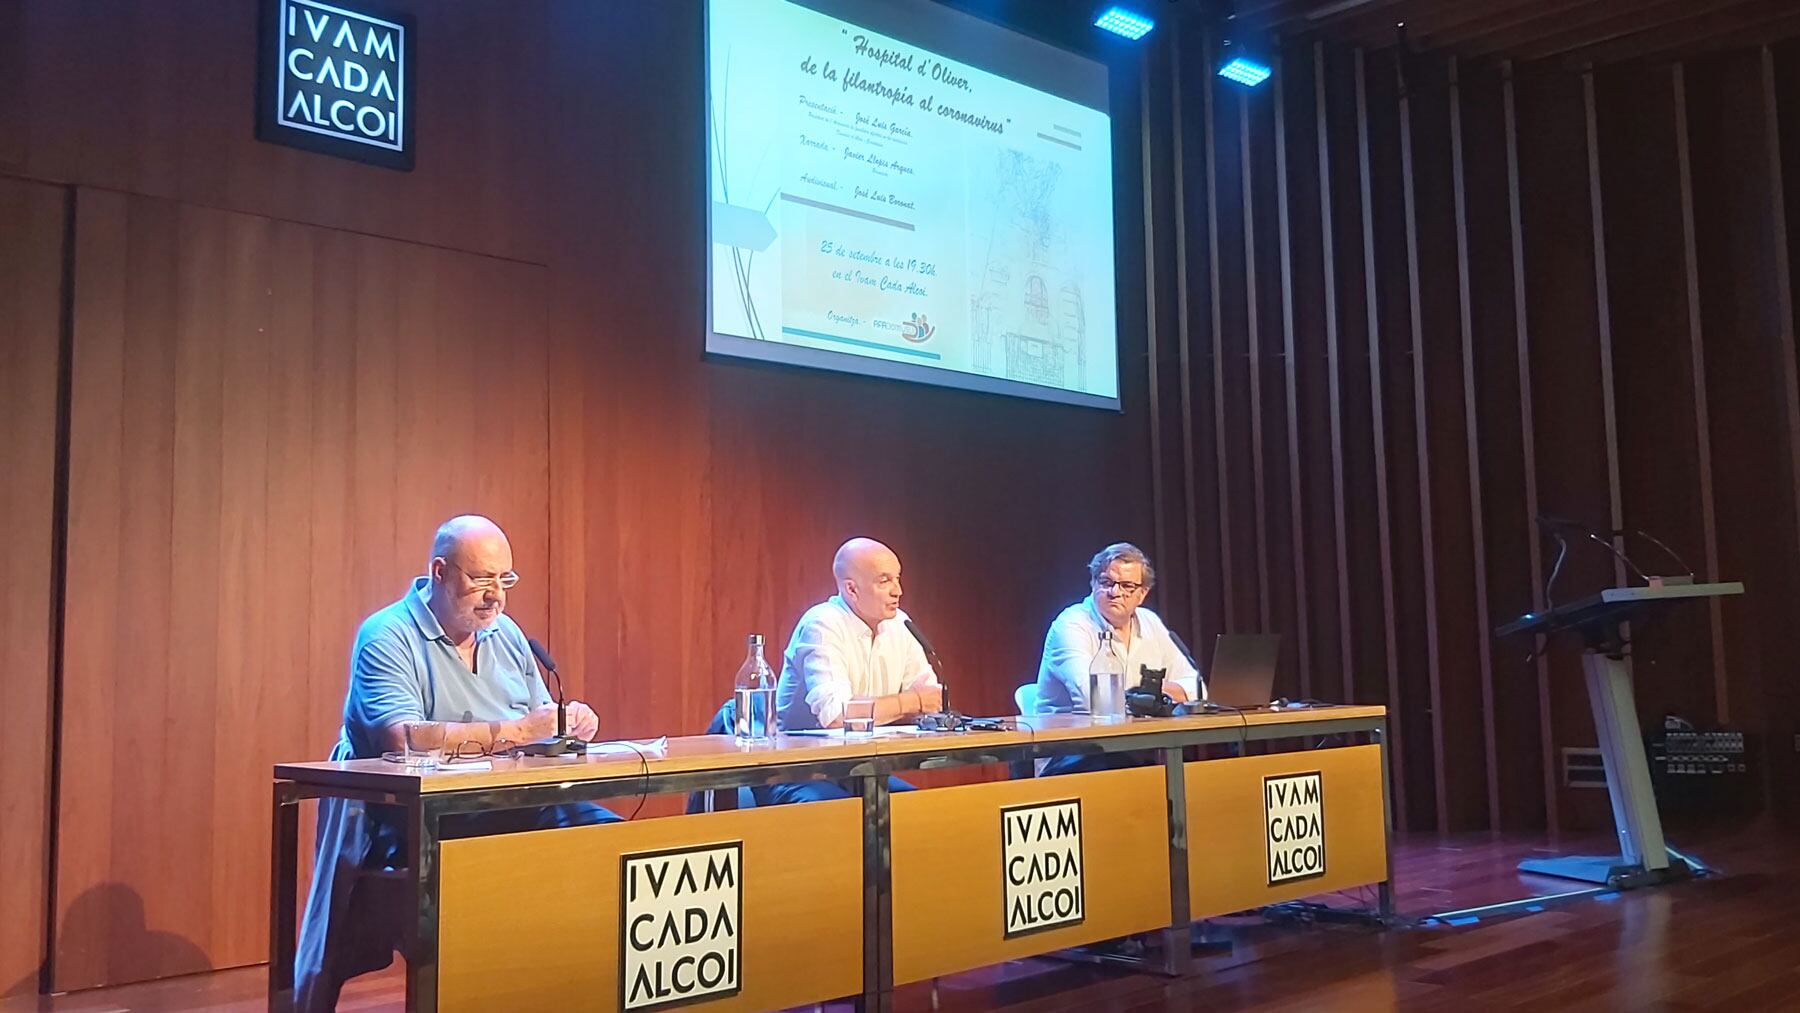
1146, 699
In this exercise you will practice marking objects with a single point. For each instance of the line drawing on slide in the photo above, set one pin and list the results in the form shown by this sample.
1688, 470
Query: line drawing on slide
743, 261
1028, 317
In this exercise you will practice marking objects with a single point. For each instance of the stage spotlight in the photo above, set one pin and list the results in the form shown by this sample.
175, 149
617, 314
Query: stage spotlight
1245, 72
1120, 21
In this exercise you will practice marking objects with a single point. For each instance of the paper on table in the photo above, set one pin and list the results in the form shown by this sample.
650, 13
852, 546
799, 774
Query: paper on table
656, 745
458, 766
838, 733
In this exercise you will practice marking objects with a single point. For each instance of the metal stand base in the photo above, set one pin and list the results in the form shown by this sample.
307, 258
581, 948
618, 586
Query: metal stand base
1612, 870
1312, 912
1144, 952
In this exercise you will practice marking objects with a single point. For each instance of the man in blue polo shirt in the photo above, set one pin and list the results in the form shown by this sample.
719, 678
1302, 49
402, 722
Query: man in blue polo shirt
444, 653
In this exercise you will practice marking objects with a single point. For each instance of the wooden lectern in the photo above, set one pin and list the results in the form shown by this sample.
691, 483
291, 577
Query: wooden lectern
1644, 857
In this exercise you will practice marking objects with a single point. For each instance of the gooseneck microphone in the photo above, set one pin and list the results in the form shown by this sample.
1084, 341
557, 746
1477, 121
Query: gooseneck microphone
1554, 524
1181, 646
1199, 676
542, 654
945, 720
562, 742
937, 663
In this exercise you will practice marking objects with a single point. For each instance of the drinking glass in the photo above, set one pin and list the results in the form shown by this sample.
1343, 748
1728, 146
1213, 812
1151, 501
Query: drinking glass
424, 744
859, 718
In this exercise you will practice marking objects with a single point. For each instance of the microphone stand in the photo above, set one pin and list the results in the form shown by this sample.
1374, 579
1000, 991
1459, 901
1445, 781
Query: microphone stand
945, 720
562, 743
1199, 677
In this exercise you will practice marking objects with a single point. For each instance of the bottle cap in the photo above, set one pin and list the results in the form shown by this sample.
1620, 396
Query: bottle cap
756, 640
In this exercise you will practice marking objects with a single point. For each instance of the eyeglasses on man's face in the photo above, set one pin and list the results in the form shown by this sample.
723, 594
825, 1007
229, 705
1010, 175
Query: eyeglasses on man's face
1122, 586
487, 581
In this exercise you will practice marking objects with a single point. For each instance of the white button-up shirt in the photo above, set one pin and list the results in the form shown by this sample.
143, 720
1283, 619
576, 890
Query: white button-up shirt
1074, 640
834, 657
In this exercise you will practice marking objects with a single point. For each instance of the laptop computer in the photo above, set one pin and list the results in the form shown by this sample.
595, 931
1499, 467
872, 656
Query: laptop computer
1243, 669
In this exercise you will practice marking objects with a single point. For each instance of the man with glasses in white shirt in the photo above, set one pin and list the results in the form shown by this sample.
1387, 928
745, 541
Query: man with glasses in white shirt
446, 655
1120, 577
852, 646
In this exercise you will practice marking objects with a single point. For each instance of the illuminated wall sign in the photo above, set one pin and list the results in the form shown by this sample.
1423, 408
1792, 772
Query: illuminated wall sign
337, 81
681, 920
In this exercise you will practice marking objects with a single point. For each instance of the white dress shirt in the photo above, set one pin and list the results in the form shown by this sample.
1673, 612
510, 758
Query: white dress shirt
1074, 640
834, 657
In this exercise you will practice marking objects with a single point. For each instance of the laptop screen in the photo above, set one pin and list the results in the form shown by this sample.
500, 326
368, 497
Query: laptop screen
1243, 669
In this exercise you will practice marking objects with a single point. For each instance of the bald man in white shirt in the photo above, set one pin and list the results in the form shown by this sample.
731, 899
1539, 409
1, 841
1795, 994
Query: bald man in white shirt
853, 646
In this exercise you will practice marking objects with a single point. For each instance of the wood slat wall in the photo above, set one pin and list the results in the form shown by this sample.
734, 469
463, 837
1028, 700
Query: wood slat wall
1528, 289
1328, 382
33, 218
258, 457
289, 368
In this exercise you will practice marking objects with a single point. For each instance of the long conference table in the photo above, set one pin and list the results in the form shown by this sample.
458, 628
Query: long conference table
765, 908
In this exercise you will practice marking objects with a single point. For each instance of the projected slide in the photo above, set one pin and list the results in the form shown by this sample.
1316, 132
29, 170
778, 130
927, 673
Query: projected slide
907, 191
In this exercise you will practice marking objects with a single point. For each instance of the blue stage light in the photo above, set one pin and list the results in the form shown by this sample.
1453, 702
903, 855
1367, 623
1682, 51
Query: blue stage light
1245, 72
1120, 21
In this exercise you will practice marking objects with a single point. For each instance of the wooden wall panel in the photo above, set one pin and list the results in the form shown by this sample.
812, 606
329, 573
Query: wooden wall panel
1268, 414
1366, 470
1212, 478
1307, 389
32, 242
1660, 475
157, 99
1494, 266
269, 419
1241, 581
1339, 215
1397, 461
1746, 305
1169, 389
699, 501
12, 93
1565, 362
1478, 617
1441, 418
1781, 696
1502, 408
1174, 315
1708, 563
669, 504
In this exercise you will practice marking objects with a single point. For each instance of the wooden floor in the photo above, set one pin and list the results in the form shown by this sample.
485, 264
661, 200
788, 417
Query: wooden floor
1725, 942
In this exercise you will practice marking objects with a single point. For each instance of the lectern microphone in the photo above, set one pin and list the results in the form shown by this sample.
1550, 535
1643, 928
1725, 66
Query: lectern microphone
1553, 523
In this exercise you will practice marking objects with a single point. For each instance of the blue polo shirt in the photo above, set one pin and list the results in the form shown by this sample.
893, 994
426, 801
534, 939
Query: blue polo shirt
405, 668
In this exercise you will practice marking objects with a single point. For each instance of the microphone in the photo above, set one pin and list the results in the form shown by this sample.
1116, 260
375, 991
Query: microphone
913, 628
1653, 540
1553, 523
562, 743
946, 719
1182, 646
544, 661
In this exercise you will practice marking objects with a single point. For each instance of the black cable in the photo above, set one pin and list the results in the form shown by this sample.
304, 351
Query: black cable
1032, 731
644, 791
1243, 724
